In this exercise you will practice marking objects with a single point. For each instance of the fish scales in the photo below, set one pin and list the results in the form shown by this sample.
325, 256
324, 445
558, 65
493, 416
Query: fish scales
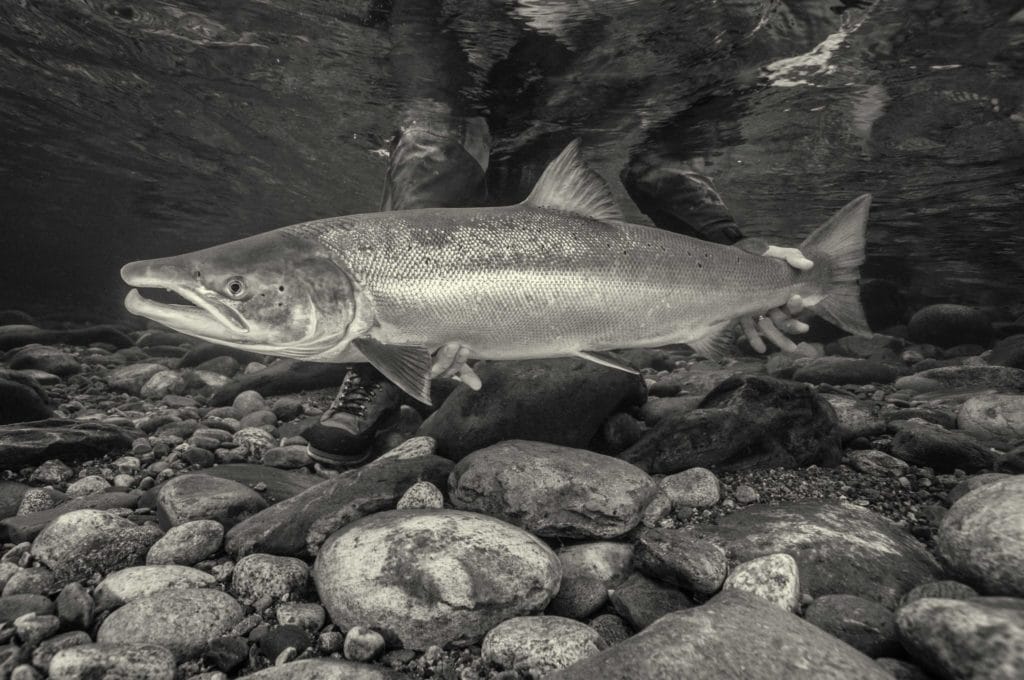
516, 282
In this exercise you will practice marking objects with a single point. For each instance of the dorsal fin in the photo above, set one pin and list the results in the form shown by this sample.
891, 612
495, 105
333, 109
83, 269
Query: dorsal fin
568, 184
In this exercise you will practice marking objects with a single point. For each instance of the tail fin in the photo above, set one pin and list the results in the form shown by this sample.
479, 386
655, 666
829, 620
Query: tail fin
838, 247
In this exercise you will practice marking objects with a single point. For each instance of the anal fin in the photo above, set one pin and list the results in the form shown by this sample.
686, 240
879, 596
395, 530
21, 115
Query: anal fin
717, 344
607, 359
408, 366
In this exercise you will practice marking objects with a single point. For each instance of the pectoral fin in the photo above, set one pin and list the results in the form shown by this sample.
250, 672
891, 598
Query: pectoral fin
715, 345
607, 359
406, 366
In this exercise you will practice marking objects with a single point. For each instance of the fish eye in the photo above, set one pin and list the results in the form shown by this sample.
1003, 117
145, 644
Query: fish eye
236, 287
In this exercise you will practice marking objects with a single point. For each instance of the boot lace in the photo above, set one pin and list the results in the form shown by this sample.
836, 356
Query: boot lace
353, 395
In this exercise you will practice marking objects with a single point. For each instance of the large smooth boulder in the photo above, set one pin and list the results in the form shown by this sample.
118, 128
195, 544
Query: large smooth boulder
929, 445
839, 547
845, 371
128, 661
32, 443
734, 635
978, 638
552, 490
298, 525
948, 325
539, 644
559, 401
182, 620
982, 537
996, 417
963, 379
82, 542
22, 398
433, 577
193, 497
133, 583
745, 422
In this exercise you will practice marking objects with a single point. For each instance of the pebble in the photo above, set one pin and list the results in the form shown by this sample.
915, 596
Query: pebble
552, 490
589, 571
199, 496
681, 558
82, 542
75, 606
88, 485
187, 543
39, 499
746, 494
539, 644
260, 575
982, 538
862, 624
978, 638
227, 653
308, 615
877, 463
421, 496
161, 384
121, 660
433, 577
133, 583
51, 472
362, 644
696, 488
247, 402
775, 578
287, 457
182, 620
278, 639
254, 442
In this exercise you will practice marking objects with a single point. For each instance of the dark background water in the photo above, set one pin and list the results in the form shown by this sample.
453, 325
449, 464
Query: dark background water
140, 129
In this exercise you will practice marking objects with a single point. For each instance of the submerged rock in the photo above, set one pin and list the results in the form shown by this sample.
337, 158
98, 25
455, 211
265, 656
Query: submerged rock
32, 443
181, 620
558, 401
982, 537
285, 528
928, 445
641, 601
539, 644
701, 642
679, 557
845, 371
79, 543
746, 421
199, 496
998, 417
433, 577
857, 418
43, 358
26, 527
860, 623
589, 571
947, 325
326, 669
152, 662
132, 377
552, 490
275, 576
133, 583
22, 398
774, 578
963, 379
978, 638
21, 335
839, 547
284, 376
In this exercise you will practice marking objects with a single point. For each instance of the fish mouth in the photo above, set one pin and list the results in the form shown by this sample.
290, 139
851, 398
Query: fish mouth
205, 315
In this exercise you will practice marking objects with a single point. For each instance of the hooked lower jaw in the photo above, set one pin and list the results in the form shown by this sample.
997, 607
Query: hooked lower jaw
205, 317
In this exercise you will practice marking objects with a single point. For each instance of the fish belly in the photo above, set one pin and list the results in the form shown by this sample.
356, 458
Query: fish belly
523, 282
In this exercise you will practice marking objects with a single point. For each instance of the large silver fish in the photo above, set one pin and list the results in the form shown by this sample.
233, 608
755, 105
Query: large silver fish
557, 275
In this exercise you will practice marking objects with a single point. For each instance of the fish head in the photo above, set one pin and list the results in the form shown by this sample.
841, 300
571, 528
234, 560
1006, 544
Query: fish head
274, 293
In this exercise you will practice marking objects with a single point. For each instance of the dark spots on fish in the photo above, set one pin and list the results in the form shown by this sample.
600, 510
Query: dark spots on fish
280, 289
700, 265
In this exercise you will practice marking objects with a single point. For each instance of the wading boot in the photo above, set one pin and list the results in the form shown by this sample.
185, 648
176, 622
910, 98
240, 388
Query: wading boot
344, 435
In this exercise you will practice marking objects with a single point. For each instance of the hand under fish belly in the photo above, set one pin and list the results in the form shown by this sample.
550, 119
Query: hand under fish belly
418, 293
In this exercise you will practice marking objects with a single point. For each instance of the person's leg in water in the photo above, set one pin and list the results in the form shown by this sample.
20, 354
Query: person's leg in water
678, 197
437, 160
